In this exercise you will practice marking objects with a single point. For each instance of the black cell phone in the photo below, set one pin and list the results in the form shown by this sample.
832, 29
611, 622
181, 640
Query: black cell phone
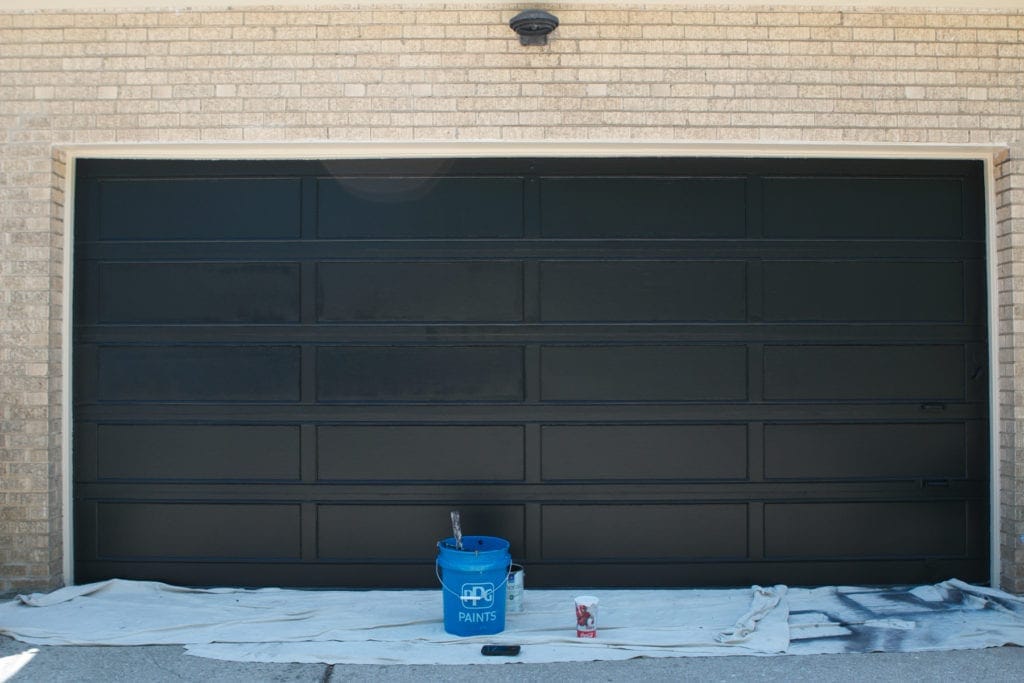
500, 650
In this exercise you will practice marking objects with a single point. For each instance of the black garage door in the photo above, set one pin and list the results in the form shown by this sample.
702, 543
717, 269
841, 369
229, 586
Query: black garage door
641, 372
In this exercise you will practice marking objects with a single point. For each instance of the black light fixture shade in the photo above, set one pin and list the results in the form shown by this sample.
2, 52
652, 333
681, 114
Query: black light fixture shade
533, 26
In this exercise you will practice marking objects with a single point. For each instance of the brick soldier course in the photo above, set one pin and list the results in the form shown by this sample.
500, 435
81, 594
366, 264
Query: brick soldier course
852, 78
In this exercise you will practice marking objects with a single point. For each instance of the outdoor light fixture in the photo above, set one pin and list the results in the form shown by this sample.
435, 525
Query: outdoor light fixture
533, 26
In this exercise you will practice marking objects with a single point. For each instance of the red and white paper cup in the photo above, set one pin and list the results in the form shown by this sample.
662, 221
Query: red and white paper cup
586, 616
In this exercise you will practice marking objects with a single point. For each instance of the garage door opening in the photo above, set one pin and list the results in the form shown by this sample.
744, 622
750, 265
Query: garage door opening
642, 372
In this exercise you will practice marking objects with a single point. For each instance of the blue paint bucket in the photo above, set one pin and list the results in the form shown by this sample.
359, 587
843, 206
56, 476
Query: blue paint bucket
473, 584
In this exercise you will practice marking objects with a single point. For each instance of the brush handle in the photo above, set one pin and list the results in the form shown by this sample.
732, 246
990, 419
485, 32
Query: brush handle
457, 529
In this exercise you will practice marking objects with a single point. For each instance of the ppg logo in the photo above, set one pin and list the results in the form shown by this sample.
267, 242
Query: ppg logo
477, 595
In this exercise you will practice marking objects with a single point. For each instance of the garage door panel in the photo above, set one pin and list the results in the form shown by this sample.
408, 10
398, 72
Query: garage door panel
195, 530
198, 373
419, 207
199, 209
197, 452
643, 373
894, 372
883, 529
408, 532
864, 451
863, 291
643, 452
883, 208
421, 373
630, 207
644, 532
410, 453
447, 291
149, 292
643, 291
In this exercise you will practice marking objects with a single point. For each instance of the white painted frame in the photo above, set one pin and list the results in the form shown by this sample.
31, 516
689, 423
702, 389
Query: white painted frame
991, 155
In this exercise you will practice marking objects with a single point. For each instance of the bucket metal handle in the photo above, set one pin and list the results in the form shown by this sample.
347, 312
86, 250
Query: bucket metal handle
437, 573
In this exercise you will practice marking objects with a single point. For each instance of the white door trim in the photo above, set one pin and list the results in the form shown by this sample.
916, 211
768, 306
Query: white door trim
991, 155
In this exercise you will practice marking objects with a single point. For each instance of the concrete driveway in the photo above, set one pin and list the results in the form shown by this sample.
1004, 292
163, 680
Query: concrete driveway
155, 664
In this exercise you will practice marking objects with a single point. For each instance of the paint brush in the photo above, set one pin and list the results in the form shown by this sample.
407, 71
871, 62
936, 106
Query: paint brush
457, 529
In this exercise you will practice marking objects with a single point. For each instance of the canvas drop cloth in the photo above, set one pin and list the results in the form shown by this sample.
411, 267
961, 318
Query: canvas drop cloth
406, 627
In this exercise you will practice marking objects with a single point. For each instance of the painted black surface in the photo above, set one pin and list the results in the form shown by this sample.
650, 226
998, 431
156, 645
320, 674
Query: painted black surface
441, 374
176, 293
367, 532
204, 208
656, 452
639, 371
435, 291
895, 372
434, 452
194, 452
419, 207
859, 291
645, 532
643, 291
662, 373
862, 207
846, 451
626, 207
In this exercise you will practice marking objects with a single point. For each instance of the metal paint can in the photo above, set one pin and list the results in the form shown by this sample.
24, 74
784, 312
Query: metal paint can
515, 589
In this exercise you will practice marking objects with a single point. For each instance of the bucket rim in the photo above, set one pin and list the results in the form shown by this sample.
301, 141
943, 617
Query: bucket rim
475, 544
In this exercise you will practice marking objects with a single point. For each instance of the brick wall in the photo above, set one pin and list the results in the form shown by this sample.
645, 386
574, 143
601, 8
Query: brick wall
1009, 191
450, 72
